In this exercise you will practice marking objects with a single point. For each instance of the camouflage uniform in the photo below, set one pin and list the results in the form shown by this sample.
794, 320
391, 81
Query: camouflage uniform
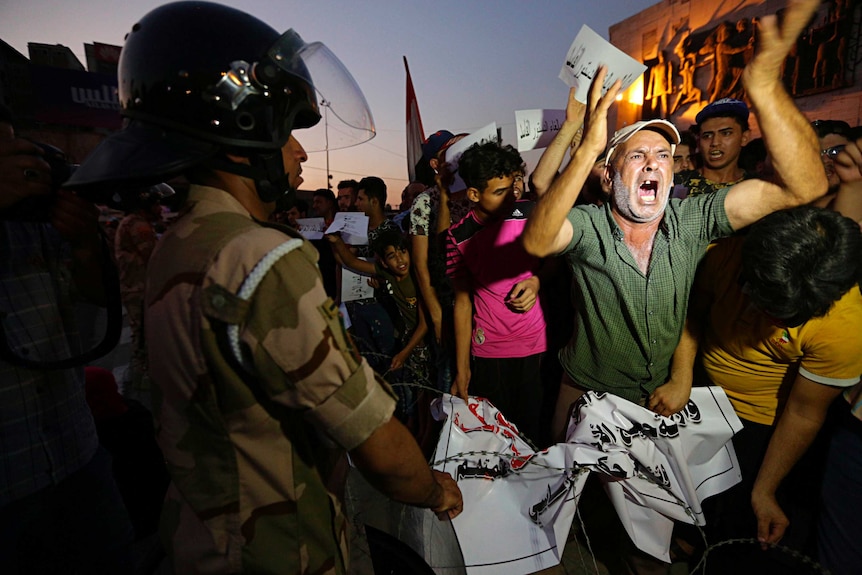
246, 448
134, 241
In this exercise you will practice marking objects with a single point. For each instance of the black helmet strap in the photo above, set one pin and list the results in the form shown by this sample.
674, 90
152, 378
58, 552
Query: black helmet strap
265, 168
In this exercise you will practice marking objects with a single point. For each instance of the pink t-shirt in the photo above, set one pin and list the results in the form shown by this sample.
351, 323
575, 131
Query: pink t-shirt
490, 257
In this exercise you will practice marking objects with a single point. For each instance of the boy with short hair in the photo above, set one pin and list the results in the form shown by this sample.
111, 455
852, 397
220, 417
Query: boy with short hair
392, 265
500, 330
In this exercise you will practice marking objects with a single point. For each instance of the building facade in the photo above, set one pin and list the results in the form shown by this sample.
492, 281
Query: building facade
695, 51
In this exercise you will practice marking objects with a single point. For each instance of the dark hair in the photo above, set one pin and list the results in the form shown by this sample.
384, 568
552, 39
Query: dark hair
424, 173
826, 127
301, 206
348, 184
799, 262
483, 162
752, 156
326, 195
688, 138
375, 188
386, 238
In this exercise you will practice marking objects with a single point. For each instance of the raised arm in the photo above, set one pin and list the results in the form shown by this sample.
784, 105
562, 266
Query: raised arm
569, 136
790, 141
548, 231
347, 258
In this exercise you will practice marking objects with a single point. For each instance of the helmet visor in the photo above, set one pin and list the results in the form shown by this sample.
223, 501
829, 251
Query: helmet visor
346, 118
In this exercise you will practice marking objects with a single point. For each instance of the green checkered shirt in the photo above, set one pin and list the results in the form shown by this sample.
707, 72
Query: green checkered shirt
628, 324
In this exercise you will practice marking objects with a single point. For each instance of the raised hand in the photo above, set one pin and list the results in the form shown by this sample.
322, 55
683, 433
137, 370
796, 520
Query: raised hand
596, 120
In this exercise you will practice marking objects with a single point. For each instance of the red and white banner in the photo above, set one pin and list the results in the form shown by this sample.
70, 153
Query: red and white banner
415, 133
519, 504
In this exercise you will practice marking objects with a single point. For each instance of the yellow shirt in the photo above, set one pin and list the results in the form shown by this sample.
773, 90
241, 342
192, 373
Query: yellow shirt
756, 361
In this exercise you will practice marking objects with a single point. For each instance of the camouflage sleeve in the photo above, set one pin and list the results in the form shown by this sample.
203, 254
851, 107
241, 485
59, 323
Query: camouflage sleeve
305, 359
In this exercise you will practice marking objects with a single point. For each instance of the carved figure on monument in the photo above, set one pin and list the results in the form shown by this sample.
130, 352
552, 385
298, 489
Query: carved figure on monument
687, 92
727, 74
829, 64
660, 85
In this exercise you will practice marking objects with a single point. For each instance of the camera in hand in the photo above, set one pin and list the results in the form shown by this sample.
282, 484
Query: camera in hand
38, 208
61, 169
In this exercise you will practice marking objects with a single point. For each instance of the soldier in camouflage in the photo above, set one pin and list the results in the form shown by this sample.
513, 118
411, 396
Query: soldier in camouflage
257, 388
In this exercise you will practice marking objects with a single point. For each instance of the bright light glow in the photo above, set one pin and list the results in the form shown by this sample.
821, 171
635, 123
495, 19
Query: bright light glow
635, 93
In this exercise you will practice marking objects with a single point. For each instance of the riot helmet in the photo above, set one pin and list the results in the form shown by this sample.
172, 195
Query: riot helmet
198, 81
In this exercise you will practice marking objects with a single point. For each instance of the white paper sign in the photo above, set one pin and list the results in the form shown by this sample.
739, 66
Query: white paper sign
655, 468
353, 227
355, 286
311, 228
536, 128
453, 154
587, 52
518, 504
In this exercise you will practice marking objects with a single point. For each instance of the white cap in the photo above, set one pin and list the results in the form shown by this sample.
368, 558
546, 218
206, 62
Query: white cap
623, 134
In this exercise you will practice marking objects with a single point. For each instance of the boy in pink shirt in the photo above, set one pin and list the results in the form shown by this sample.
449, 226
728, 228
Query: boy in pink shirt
500, 335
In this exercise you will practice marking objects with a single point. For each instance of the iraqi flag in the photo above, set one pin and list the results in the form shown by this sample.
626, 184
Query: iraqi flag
415, 133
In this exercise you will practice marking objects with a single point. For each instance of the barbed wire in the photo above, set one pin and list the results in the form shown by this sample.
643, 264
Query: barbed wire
423, 383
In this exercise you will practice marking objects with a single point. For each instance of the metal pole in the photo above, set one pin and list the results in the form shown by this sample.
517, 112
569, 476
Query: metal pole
325, 104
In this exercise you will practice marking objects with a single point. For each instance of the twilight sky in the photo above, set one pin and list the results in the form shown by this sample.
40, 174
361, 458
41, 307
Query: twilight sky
473, 62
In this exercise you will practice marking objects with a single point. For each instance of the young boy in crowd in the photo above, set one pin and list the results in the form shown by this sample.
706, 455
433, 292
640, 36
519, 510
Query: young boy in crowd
500, 329
392, 265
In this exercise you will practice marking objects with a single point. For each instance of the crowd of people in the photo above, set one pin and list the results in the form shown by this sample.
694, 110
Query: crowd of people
653, 261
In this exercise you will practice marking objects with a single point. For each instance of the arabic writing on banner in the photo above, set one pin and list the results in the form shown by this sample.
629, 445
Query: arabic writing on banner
536, 128
353, 227
355, 286
657, 470
587, 52
311, 228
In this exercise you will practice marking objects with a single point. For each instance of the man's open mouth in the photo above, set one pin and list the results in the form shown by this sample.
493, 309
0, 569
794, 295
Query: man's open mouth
647, 190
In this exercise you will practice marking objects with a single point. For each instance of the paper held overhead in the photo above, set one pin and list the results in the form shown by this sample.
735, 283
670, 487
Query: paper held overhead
589, 51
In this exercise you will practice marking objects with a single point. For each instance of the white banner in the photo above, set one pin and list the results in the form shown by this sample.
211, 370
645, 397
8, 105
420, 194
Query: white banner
587, 52
353, 227
355, 286
536, 128
519, 504
311, 228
